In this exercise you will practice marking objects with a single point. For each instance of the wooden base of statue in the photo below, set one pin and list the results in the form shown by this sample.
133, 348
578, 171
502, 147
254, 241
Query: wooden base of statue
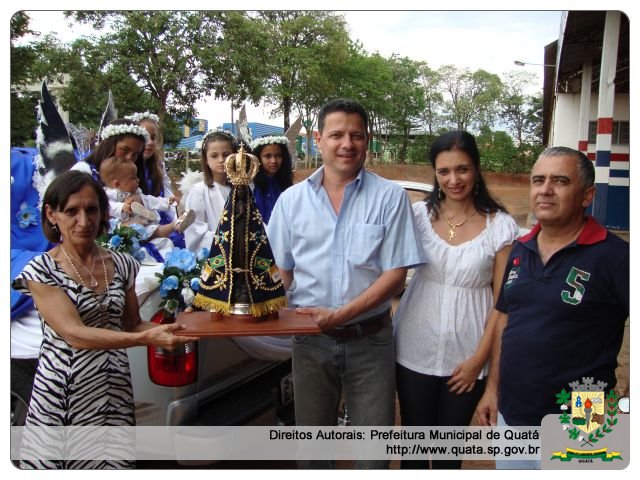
211, 324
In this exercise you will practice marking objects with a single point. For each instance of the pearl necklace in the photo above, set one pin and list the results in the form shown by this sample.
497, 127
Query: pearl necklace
94, 282
453, 226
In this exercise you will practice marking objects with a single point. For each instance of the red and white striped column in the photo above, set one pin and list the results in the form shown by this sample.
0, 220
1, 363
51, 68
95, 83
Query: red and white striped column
606, 97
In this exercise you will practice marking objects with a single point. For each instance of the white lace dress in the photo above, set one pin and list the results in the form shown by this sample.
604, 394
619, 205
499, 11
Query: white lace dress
442, 314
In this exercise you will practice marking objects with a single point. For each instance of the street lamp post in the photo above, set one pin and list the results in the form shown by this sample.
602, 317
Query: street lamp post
522, 64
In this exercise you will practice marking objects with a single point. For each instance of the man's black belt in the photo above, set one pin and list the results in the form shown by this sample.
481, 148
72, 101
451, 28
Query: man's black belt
364, 328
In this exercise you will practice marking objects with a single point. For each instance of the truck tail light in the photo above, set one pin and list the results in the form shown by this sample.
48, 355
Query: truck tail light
172, 368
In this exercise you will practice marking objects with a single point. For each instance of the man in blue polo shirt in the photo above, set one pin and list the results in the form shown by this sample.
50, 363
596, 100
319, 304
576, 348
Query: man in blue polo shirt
343, 240
563, 303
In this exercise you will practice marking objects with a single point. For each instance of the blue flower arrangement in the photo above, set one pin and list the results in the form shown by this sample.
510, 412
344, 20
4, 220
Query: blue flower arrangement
125, 239
180, 278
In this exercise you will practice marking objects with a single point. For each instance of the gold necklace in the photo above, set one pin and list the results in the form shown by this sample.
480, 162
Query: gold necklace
94, 282
453, 226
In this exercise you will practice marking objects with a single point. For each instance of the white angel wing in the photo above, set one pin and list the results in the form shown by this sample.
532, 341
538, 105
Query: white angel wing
188, 180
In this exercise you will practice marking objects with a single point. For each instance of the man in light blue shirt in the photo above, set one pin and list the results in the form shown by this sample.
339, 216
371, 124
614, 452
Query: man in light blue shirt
343, 240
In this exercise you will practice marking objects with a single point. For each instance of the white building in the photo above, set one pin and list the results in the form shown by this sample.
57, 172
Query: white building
586, 103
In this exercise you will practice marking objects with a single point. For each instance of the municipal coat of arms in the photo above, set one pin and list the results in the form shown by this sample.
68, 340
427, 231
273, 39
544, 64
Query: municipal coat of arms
587, 416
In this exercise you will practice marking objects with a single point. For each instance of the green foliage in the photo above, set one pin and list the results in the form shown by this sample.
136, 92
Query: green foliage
22, 56
408, 99
574, 433
23, 125
472, 96
155, 51
432, 115
563, 397
164, 61
301, 44
233, 64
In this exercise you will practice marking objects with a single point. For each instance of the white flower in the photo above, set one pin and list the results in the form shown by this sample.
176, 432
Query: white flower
187, 296
269, 141
580, 438
563, 407
111, 130
565, 427
139, 116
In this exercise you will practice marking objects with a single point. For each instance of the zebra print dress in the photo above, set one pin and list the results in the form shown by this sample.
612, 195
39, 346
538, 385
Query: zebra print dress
76, 387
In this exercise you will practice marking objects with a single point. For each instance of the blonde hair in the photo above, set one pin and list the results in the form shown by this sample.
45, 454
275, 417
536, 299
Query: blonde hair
113, 168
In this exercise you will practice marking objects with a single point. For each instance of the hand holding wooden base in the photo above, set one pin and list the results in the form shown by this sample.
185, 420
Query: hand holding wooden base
211, 324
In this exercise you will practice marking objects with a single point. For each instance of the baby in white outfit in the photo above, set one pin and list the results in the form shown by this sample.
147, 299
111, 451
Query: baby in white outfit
128, 205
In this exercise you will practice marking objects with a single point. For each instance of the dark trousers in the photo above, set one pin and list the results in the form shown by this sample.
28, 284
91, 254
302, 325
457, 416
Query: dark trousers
425, 400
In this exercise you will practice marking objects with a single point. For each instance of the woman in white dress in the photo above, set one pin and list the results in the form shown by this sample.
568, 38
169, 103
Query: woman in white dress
443, 329
207, 198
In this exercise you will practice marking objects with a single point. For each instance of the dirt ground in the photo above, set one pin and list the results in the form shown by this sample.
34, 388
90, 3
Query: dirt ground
511, 189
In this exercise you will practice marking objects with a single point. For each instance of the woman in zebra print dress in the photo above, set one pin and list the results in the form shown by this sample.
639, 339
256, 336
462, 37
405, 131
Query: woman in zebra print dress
86, 300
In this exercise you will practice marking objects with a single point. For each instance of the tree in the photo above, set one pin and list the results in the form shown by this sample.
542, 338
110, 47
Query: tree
497, 151
407, 98
533, 122
368, 78
318, 82
315, 87
514, 105
234, 67
90, 78
158, 50
299, 41
472, 96
432, 116
22, 56
23, 104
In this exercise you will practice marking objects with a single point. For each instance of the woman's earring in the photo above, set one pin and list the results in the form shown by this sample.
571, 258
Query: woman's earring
440, 194
476, 189
54, 227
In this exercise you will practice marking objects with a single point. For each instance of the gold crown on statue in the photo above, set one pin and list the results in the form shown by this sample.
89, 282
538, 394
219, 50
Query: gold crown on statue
241, 167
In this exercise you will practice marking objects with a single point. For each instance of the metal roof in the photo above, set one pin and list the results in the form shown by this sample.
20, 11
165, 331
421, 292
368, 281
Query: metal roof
582, 31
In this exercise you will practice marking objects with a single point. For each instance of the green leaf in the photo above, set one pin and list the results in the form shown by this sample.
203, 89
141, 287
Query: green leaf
563, 397
565, 418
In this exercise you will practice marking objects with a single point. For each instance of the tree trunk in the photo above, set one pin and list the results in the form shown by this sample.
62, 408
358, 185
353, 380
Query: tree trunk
286, 110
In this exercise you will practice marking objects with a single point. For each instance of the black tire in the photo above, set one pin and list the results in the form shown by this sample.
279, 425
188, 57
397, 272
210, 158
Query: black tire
22, 373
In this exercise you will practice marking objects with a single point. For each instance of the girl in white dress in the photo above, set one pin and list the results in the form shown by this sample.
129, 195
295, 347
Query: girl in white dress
208, 197
443, 330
